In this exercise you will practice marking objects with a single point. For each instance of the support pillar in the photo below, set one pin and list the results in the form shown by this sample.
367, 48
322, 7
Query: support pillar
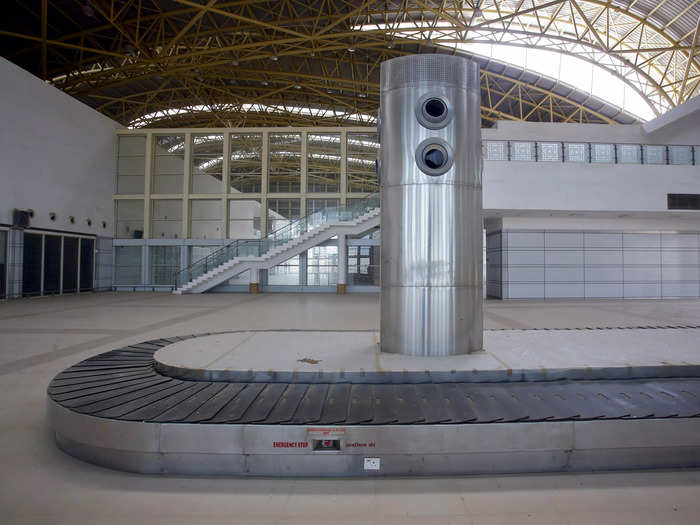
431, 251
254, 286
341, 288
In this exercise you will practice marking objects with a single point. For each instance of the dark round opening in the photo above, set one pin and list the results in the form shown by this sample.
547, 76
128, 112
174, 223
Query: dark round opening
435, 108
434, 157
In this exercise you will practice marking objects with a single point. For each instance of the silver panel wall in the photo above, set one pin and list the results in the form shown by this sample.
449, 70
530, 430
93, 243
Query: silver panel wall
592, 264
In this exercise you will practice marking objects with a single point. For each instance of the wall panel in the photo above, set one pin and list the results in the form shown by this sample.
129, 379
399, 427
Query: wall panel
587, 264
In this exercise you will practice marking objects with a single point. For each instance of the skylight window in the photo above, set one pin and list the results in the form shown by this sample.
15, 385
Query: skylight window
576, 72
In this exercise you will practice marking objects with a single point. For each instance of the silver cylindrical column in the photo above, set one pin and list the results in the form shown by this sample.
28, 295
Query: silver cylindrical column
431, 256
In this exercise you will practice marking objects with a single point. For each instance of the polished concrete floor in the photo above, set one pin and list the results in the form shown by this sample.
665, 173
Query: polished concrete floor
39, 484
352, 354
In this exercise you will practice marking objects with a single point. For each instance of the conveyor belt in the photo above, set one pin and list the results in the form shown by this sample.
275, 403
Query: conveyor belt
122, 384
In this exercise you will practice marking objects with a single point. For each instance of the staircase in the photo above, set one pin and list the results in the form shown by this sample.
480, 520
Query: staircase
280, 245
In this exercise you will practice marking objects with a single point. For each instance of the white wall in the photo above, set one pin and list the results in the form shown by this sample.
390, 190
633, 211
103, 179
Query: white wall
512, 186
517, 185
57, 155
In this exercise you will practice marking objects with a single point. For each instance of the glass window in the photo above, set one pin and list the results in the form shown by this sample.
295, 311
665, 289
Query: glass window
246, 163
281, 212
603, 153
284, 173
165, 264
322, 266
629, 154
168, 164
314, 205
323, 162
680, 155
205, 219
575, 152
207, 163
361, 164
244, 219
495, 150
363, 265
286, 273
129, 219
549, 151
131, 164
200, 252
654, 154
522, 151
166, 218
127, 265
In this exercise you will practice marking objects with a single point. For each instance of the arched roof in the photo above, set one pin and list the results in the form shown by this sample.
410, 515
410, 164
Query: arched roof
294, 62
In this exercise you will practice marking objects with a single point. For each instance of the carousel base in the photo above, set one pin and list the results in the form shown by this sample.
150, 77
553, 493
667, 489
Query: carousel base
120, 410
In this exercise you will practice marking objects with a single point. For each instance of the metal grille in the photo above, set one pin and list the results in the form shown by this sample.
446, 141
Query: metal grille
654, 154
522, 151
549, 151
496, 150
603, 153
575, 152
680, 155
629, 154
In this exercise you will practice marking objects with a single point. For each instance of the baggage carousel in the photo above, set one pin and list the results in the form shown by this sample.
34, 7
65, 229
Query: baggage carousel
119, 409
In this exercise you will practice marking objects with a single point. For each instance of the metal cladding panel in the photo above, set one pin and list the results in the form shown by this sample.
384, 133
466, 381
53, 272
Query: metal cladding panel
431, 210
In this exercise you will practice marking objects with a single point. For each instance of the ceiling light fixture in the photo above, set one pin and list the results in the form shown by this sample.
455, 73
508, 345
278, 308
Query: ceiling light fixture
274, 58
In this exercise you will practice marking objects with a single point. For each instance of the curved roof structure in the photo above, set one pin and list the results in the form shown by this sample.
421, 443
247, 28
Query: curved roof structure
293, 62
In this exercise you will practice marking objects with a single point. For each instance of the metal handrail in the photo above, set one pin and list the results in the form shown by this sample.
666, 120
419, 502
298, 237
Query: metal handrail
288, 232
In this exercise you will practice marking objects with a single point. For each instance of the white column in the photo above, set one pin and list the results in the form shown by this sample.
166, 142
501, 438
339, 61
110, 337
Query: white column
147, 187
343, 167
342, 264
186, 187
225, 177
254, 286
264, 181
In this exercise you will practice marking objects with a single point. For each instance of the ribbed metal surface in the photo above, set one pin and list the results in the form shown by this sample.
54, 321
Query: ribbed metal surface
431, 255
677, 18
123, 385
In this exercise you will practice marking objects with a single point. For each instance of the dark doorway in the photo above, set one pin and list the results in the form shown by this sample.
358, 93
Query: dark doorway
31, 265
52, 264
70, 265
87, 262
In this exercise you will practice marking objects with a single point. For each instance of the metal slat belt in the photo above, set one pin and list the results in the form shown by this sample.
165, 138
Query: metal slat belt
123, 385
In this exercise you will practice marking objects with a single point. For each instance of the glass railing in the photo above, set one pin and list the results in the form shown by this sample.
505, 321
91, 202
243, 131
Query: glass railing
293, 230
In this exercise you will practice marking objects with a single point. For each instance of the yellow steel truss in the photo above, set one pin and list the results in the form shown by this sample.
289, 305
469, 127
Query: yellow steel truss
265, 62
